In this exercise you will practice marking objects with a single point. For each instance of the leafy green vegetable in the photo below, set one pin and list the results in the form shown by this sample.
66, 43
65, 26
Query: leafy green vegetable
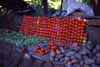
21, 39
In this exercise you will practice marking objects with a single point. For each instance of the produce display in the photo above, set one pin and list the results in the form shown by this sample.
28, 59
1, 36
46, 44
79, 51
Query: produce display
70, 54
61, 41
60, 29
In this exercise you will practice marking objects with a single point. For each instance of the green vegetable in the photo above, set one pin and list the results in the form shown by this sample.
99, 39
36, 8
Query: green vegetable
21, 39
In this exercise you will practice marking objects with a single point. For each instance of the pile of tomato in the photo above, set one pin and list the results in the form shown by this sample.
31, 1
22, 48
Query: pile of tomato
61, 29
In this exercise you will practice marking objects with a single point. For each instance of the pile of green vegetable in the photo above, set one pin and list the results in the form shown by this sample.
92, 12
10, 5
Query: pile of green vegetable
21, 39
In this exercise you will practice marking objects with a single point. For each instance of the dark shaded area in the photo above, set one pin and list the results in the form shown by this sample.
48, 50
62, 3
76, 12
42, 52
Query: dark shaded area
8, 54
13, 4
15, 10
96, 7
93, 34
11, 21
10, 57
45, 7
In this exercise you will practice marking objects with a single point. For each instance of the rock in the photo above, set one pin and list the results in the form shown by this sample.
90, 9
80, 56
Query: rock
62, 50
57, 65
52, 53
97, 54
94, 51
25, 63
58, 51
38, 63
86, 66
48, 64
52, 58
67, 58
84, 51
89, 61
97, 47
70, 53
78, 56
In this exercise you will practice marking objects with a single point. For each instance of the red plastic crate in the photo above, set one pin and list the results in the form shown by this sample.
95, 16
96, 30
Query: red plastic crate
61, 29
